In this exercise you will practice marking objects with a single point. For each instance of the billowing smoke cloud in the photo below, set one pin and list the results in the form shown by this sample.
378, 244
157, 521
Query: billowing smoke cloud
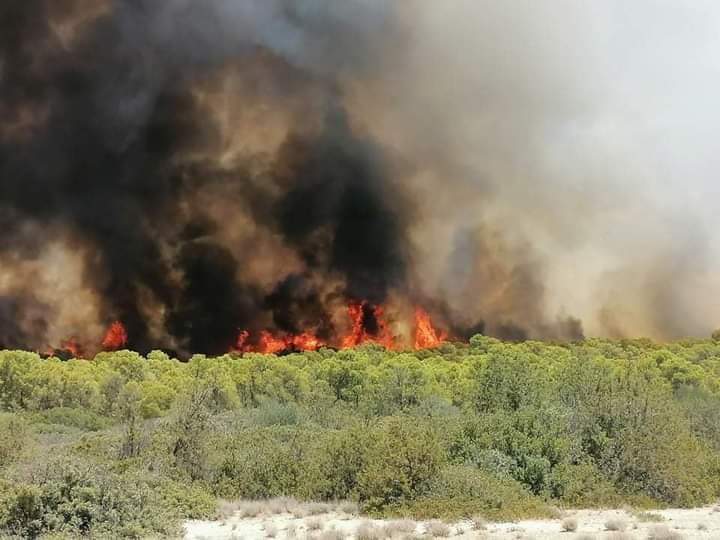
192, 168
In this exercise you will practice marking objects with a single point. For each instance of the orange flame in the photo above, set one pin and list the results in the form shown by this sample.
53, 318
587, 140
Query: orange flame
71, 346
426, 336
360, 333
367, 325
270, 343
115, 338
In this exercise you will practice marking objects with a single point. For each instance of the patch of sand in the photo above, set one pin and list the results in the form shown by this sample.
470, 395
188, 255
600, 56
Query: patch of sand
689, 524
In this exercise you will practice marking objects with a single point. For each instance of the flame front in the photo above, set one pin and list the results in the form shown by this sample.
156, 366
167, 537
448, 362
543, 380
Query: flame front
368, 324
115, 338
426, 335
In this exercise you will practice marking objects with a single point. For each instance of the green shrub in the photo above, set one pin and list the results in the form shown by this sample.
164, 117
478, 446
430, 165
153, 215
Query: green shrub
463, 492
84, 419
14, 438
402, 461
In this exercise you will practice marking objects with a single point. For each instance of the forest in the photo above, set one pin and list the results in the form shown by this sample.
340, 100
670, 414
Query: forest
133, 445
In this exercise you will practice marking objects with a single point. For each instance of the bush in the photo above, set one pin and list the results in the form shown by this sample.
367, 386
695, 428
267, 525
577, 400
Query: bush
462, 492
14, 438
77, 499
569, 525
402, 461
84, 419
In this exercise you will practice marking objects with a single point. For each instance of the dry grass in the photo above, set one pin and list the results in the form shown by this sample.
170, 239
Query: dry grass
478, 523
314, 524
291, 531
662, 532
332, 534
649, 517
368, 531
226, 509
437, 529
569, 524
280, 505
398, 527
348, 507
616, 524
555, 512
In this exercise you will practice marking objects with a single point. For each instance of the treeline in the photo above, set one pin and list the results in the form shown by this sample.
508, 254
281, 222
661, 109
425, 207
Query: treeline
131, 445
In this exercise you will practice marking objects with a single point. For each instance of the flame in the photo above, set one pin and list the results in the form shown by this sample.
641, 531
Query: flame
307, 342
368, 326
70, 347
269, 343
241, 342
115, 338
426, 336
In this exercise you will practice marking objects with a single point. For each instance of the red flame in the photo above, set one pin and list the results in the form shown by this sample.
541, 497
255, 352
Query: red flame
368, 326
115, 338
69, 347
426, 336
269, 343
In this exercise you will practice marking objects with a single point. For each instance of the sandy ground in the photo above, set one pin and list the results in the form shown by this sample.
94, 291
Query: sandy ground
591, 524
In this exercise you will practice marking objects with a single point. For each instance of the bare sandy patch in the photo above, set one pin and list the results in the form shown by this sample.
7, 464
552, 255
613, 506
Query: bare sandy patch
299, 521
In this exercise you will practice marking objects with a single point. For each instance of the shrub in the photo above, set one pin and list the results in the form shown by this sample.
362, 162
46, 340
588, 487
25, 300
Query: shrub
396, 527
648, 517
569, 525
461, 492
616, 524
403, 460
84, 419
14, 439
478, 523
332, 534
368, 531
314, 524
582, 485
437, 529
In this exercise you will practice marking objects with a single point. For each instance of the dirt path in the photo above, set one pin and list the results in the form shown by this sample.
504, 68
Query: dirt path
669, 524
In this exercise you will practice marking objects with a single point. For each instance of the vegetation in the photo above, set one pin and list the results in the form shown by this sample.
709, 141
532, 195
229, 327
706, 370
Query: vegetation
132, 445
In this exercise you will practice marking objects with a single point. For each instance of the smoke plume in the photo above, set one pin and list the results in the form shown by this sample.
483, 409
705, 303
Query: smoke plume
195, 168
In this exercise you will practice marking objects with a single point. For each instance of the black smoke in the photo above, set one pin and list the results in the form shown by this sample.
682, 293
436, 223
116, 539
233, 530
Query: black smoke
105, 165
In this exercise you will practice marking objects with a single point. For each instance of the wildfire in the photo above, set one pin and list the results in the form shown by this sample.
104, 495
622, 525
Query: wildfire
115, 338
367, 325
426, 336
270, 343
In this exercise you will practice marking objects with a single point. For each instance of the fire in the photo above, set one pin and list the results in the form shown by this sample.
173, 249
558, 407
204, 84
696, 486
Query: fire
426, 336
70, 348
368, 326
269, 343
115, 338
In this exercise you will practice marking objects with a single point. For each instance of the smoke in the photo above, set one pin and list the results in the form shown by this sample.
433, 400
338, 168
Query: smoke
194, 168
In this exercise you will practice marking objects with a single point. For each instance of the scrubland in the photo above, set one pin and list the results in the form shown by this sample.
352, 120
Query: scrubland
467, 436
